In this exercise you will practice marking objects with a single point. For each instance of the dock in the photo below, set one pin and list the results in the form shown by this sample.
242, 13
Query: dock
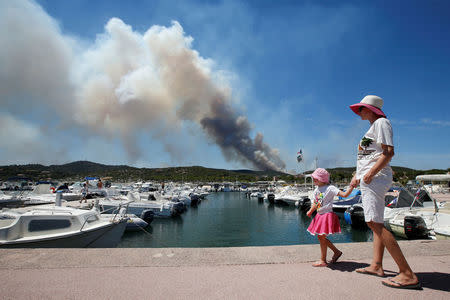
280, 272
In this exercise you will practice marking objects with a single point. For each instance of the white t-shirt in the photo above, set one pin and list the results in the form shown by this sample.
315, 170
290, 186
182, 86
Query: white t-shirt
369, 148
324, 195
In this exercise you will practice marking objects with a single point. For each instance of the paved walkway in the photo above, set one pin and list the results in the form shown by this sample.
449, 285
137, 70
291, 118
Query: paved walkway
282, 272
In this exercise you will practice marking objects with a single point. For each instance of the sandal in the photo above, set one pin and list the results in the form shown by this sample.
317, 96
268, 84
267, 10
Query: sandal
335, 258
397, 285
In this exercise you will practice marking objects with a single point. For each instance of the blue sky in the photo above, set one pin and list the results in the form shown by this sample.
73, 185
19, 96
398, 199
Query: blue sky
291, 68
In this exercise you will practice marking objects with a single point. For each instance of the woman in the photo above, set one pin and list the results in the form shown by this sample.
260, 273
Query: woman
374, 175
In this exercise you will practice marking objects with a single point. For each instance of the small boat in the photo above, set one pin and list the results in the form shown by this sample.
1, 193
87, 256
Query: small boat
396, 200
134, 223
11, 200
138, 207
422, 222
59, 227
291, 196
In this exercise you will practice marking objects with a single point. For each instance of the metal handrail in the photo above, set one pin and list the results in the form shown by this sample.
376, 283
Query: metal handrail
53, 213
85, 221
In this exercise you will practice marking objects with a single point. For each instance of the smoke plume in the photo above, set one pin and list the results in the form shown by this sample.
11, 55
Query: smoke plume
123, 84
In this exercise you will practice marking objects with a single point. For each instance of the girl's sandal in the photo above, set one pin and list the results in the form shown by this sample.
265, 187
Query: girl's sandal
319, 264
335, 258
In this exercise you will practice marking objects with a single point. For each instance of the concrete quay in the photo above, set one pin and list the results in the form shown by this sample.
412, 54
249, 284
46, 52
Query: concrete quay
281, 272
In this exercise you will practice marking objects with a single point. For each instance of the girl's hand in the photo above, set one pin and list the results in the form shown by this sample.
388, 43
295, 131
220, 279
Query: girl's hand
354, 183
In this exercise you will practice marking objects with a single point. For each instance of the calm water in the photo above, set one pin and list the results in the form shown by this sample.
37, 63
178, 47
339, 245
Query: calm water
232, 220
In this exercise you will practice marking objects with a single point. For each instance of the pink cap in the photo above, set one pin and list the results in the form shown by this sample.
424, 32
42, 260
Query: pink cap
322, 175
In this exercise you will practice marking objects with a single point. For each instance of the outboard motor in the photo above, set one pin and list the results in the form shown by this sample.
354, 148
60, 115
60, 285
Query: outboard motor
306, 204
354, 215
271, 198
194, 199
147, 215
415, 227
179, 208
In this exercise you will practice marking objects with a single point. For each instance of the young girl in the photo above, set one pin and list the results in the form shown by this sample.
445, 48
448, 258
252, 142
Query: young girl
326, 221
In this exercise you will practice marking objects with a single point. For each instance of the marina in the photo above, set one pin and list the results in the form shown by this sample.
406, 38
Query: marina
208, 215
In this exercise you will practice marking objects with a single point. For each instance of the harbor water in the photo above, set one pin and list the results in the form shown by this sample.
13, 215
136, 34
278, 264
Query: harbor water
230, 219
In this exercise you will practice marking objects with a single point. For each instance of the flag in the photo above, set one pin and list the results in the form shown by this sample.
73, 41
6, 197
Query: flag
393, 202
417, 194
299, 156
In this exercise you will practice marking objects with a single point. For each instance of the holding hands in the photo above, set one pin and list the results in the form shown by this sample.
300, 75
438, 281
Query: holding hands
354, 183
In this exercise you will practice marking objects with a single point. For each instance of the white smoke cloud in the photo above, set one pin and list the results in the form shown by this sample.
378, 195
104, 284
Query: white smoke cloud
23, 142
123, 84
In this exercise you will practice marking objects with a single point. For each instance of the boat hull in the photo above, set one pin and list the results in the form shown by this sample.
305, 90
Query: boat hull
104, 237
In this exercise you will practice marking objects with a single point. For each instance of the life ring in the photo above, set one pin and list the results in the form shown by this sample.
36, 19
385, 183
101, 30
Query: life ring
53, 189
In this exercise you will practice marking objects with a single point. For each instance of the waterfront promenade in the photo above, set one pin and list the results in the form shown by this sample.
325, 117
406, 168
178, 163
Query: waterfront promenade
282, 272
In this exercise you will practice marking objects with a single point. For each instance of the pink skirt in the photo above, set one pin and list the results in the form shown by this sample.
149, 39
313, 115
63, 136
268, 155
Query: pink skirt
325, 224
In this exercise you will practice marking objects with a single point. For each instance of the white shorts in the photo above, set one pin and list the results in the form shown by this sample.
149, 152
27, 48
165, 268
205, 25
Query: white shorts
373, 195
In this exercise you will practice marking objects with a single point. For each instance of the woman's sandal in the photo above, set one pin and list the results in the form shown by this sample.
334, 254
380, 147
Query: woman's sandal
397, 285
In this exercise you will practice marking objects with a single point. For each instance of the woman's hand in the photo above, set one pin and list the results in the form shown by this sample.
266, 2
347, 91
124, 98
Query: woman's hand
383, 160
368, 177
309, 213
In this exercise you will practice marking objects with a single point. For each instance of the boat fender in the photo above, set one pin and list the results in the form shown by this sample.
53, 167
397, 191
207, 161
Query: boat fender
347, 217
297, 203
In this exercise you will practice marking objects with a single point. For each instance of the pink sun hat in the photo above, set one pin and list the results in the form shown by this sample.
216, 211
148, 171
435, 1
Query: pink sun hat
321, 174
372, 102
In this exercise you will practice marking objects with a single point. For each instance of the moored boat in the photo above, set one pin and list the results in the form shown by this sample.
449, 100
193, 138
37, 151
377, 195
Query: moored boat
58, 227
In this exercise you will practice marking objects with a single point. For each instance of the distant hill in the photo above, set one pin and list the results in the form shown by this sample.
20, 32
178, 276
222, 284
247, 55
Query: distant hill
76, 171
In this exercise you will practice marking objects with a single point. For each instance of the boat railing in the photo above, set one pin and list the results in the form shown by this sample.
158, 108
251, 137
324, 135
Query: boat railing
86, 220
53, 212
436, 206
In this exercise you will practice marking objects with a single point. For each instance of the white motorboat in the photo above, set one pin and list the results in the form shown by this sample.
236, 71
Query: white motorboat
58, 227
422, 222
432, 220
291, 196
10, 200
398, 200
140, 207
44, 194
134, 223
257, 195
